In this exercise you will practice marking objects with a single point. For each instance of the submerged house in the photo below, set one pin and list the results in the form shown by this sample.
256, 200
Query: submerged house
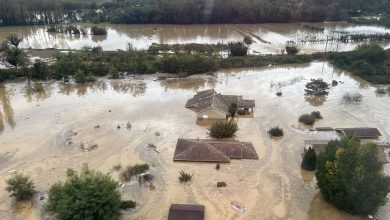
217, 151
211, 105
186, 212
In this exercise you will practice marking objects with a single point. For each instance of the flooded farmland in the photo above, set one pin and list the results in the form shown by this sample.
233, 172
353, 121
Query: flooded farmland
36, 119
268, 38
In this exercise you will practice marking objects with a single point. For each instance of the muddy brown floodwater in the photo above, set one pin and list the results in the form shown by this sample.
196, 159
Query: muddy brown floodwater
36, 119
268, 38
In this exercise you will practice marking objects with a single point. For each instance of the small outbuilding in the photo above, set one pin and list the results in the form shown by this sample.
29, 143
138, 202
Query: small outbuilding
186, 212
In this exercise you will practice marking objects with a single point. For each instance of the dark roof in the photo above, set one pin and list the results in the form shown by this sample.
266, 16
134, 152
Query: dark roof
209, 99
204, 150
361, 132
186, 212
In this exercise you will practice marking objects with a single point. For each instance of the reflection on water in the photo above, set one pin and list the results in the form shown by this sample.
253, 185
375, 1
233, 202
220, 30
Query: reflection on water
142, 36
194, 83
7, 113
38, 91
315, 100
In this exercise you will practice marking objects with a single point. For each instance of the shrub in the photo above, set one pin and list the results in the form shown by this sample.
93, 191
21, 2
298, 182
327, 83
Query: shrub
238, 49
334, 83
307, 119
20, 187
233, 109
351, 177
218, 166
131, 171
248, 40
98, 30
380, 91
16, 57
279, 94
317, 87
185, 177
128, 204
351, 98
82, 77
276, 132
14, 40
316, 115
117, 167
89, 195
309, 160
292, 50
221, 129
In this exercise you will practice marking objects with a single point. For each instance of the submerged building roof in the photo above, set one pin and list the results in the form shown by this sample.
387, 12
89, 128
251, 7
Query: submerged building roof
204, 150
363, 132
186, 212
210, 99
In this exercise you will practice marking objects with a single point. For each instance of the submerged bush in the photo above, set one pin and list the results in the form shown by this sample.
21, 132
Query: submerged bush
380, 91
316, 114
292, 50
128, 204
248, 40
309, 160
185, 177
222, 129
238, 49
317, 87
307, 119
131, 171
276, 132
334, 83
351, 98
21, 187
98, 30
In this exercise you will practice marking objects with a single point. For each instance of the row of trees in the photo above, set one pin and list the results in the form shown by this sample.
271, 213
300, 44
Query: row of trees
19, 12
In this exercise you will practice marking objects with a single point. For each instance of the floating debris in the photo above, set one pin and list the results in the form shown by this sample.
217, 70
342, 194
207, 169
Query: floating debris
239, 207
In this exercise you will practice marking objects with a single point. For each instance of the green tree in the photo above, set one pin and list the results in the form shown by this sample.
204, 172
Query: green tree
238, 49
89, 195
14, 40
40, 70
317, 87
350, 176
222, 129
309, 160
16, 57
233, 109
21, 187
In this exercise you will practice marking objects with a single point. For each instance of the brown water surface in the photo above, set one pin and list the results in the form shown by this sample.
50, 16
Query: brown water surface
36, 118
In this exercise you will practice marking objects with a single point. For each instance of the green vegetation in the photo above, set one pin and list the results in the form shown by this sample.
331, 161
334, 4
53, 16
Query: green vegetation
131, 171
233, 109
350, 176
276, 132
185, 177
208, 49
14, 40
317, 87
222, 129
98, 30
16, 57
369, 61
89, 195
380, 91
248, 40
238, 49
352, 98
316, 115
309, 160
292, 50
21, 187
307, 119
128, 204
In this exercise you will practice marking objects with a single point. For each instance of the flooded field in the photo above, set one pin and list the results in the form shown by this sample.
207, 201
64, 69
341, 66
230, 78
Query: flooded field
268, 38
35, 120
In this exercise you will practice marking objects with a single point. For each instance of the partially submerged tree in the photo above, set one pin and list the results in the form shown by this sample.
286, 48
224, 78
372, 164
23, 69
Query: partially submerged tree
350, 176
292, 50
317, 87
20, 186
98, 30
14, 40
309, 160
89, 195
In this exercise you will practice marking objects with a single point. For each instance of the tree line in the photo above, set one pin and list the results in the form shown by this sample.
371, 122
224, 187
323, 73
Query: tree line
28, 12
